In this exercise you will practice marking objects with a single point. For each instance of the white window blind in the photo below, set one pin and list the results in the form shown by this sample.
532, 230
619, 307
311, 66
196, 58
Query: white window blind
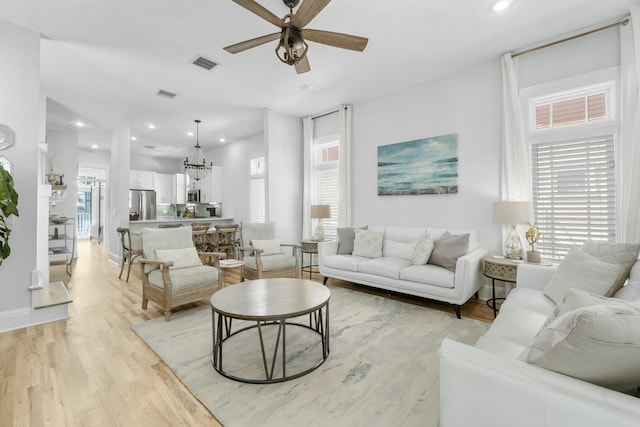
574, 193
326, 180
257, 191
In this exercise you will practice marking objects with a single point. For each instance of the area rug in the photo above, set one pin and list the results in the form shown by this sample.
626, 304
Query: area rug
382, 369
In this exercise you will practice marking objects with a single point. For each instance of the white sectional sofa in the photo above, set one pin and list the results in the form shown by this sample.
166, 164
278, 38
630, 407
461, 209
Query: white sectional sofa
489, 385
395, 270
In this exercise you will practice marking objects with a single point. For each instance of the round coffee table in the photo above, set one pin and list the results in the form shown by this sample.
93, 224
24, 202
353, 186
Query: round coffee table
270, 303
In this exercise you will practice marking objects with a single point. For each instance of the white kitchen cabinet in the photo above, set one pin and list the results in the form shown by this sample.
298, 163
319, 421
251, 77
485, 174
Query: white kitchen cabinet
178, 188
163, 187
142, 180
211, 186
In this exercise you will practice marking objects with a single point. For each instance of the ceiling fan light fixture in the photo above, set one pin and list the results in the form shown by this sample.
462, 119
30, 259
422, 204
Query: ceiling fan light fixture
292, 48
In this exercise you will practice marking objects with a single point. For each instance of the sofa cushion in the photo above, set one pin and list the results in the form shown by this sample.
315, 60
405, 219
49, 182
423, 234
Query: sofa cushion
182, 258
516, 324
368, 243
582, 271
185, 278
343, 262
346, 236
269, 247
448, 248
400, 250
429, 275
424, 247
530, 299
271, 262
599, 344
624, 254
386, 267
631, 291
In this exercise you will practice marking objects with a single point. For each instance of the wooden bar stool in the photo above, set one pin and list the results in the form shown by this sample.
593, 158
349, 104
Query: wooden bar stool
128, 253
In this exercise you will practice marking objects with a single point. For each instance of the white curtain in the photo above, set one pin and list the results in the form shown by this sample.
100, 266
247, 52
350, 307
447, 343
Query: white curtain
307, 196
628, 154
516, 166
344, 202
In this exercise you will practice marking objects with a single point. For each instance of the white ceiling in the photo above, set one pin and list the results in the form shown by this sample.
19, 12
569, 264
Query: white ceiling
103, 61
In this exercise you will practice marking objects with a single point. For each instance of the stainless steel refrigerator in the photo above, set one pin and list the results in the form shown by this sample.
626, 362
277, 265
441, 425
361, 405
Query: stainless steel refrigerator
143, 204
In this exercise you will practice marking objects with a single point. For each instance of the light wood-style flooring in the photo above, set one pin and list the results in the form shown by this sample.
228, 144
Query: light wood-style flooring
93, 370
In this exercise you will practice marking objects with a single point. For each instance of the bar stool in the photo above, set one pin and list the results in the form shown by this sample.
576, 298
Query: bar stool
227, 239
128, 253
199, 233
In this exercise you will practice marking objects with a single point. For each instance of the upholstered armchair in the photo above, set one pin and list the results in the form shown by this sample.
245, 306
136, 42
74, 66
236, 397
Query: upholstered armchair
263, 254
172, 270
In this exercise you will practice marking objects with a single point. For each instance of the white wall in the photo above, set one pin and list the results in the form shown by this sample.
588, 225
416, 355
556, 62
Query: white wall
284, 141
63, 152
235, 161
157, 164
468, 104
19, 109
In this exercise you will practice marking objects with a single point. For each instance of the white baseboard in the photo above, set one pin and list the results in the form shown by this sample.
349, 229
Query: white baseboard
25, 317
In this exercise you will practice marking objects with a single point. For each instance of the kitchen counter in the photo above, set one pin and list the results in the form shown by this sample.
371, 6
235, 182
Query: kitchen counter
150, 222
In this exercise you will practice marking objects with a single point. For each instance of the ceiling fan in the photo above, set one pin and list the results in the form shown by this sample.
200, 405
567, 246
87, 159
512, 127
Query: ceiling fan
292, 48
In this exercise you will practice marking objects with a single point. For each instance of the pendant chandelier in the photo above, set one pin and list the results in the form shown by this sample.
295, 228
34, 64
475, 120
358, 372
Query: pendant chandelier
198, 169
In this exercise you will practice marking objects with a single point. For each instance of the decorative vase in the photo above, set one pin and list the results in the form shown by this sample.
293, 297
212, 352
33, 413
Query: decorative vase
533, 256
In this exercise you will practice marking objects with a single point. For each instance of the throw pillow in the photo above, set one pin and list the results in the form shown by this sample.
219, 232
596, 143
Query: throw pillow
269, 247
599, 344
624, 254
574, 299
368, 243
423, 250
584, 272
447, 249
346, 236
182, 258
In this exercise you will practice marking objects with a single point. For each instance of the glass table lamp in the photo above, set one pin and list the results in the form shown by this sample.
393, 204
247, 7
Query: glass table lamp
513, 214
318, 212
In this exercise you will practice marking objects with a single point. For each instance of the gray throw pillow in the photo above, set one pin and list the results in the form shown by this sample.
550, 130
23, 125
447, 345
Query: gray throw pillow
448, 249
346, 236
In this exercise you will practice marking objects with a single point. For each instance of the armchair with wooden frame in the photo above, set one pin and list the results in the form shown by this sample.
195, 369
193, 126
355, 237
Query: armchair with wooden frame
172, 270
263, 254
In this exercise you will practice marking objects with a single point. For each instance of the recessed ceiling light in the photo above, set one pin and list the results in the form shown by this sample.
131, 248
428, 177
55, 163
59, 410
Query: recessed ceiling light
80, 124
307, 87
501, 5
94, 146
151, 126
133, 138
222, 140
189, 133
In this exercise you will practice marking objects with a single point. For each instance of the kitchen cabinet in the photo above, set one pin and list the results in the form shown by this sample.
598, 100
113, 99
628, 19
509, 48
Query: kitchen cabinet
163, 186
142, 180
211, 186
178, 188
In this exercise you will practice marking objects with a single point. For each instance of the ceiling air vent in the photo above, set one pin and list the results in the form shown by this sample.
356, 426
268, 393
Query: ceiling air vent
205, 63
166, 94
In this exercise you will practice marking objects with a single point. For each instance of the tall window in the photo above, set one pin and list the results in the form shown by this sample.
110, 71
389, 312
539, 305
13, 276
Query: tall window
257, 190
326, 153
572, 137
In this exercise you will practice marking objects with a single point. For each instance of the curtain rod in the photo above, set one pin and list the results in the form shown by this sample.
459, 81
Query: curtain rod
533, 49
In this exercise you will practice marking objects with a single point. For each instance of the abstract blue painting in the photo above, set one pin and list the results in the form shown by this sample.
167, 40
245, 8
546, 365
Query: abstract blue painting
423, 166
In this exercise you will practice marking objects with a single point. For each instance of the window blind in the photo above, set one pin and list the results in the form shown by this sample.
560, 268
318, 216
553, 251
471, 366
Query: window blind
573, 193
256, 200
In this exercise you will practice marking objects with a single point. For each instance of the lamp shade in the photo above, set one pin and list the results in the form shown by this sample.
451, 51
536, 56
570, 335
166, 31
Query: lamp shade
512, 212
320, 211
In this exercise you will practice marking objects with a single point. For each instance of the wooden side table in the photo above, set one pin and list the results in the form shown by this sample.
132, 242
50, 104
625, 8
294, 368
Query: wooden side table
502, 269
309, 247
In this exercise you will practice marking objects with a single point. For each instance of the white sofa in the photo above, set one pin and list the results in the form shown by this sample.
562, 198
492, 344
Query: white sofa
487, 385
396, 272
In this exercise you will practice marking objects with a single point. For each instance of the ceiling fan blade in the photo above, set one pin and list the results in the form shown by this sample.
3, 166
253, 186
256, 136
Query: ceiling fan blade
248, 44
341, 40
308, 10
303, 66
261, 11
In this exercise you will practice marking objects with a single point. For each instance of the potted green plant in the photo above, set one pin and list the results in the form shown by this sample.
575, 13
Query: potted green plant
532, 235
8, 207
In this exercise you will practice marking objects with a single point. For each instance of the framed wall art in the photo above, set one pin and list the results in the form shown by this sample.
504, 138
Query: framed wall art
422, 166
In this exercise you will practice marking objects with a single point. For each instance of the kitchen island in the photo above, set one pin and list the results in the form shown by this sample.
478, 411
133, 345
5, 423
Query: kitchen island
154, 223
